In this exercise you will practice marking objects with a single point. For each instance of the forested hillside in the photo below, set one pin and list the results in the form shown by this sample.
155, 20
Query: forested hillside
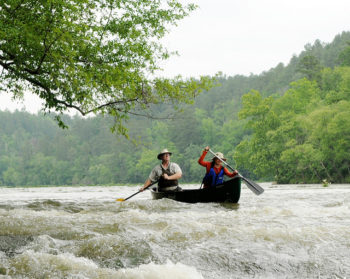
290, 124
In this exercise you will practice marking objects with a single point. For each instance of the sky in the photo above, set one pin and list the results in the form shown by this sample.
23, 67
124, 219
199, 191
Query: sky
240, 37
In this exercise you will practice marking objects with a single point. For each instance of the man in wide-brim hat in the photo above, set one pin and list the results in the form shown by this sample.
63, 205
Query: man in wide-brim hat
164, 151
167, 173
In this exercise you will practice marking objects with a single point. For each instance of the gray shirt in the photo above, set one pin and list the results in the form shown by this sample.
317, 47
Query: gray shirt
157, 172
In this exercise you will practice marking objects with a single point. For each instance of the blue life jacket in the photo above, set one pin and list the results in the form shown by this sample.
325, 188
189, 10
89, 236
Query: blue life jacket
212, 179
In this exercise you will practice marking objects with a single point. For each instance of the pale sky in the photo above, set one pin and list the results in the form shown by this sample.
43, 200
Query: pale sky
241, 37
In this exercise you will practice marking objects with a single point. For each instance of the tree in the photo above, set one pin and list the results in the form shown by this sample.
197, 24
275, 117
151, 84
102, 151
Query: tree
94, 56
336, 84
185, 130
344, 56
310, 66
254, 153
330, 133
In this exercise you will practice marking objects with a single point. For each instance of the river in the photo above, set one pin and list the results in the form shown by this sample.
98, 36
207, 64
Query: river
290, 231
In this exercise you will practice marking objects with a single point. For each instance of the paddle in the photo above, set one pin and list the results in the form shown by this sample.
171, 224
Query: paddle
255, 188
137, 192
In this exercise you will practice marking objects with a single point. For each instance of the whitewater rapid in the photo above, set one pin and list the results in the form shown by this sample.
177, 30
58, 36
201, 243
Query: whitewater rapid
290, 231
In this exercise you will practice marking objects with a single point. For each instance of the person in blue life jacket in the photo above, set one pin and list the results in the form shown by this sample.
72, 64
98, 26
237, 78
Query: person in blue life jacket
166, 173
214, 170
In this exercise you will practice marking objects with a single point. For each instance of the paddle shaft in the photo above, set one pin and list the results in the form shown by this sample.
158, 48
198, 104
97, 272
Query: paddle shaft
255, 188
138, 192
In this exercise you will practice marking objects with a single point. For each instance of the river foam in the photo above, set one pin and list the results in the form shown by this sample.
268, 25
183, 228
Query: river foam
291, 231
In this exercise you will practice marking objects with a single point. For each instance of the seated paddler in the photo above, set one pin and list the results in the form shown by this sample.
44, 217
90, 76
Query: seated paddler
215, 171
166, 173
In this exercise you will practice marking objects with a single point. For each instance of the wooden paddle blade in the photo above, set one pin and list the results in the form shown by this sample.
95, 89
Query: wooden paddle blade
120, 199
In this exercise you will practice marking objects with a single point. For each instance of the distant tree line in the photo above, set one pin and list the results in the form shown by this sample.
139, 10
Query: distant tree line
290, 124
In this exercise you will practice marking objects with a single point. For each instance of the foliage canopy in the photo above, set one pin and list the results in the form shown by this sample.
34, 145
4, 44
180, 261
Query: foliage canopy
94, 56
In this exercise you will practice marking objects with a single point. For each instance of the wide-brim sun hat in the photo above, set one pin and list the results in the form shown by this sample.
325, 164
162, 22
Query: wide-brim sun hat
164, 151
220, 156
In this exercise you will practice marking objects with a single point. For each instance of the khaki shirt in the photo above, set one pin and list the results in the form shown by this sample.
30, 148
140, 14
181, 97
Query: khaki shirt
157, 172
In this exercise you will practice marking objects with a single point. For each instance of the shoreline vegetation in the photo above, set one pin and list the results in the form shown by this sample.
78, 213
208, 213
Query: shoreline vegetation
270, 184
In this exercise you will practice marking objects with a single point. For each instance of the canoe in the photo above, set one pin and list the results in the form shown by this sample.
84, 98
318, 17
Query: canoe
229, 191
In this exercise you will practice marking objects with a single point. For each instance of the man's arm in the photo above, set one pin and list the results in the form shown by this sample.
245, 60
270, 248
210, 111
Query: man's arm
174, 176
146, 184
153, 176
176, 170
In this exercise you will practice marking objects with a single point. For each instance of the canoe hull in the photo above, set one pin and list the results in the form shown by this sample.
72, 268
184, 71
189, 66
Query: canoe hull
229, 191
